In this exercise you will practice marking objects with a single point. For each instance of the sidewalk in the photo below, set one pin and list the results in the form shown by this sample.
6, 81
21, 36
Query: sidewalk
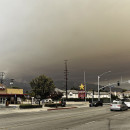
15, 109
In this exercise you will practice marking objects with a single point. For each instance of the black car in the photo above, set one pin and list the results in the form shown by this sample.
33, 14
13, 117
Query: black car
96, 104
63, 103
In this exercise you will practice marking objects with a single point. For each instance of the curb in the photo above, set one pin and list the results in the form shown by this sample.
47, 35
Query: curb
61, 108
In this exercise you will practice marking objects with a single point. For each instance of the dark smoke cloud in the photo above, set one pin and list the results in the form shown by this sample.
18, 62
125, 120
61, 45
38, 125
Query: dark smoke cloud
37, 36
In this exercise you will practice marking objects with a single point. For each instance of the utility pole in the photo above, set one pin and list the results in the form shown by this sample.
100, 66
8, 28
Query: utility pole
66, 77
110, 92
2, 76
85, 85
11, 82
121, 79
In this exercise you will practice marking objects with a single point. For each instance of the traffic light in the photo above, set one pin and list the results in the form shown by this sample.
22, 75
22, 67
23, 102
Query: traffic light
118, 83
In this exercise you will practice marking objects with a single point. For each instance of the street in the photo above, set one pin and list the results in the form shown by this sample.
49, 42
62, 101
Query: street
71, 119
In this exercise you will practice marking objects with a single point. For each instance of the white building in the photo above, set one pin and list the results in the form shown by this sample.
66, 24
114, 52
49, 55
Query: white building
121, 95
126, 94
71, 94
75, 94
102, 94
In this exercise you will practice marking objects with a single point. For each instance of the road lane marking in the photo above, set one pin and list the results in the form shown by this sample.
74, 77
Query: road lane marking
41, 121
67, 116
90, 122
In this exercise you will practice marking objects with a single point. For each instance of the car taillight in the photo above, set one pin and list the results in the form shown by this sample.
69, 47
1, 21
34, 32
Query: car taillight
118, 105
110, 105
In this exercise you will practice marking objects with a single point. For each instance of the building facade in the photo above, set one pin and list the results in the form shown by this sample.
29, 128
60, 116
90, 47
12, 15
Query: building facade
81, 94
10, 95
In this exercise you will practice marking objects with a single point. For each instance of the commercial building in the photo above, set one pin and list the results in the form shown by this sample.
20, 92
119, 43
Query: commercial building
10, 95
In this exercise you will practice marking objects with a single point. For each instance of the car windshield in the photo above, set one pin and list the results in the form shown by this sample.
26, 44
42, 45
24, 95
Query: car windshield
117, 102
95, 102
127, 100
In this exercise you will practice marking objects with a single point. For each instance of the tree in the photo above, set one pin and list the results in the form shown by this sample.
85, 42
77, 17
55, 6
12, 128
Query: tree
74, 88
42, 86
56, 95
114, 97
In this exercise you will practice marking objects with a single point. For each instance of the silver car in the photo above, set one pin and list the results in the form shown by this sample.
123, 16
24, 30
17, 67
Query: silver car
118, 105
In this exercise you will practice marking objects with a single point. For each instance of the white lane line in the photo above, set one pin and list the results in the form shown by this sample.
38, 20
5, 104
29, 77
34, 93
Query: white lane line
90, 122
117, 115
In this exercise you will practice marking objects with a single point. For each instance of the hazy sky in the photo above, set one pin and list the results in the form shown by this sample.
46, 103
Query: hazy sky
36, 36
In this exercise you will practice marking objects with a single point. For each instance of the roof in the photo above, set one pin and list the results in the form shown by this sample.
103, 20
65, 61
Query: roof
73, 91
101, 93
127, 92
58, 90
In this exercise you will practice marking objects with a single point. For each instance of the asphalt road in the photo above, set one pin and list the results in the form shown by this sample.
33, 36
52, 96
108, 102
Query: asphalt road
71, 119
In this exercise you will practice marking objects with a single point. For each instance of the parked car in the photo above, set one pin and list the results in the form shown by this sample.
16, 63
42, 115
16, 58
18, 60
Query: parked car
118, 105
49, 100
37, 101
96, 104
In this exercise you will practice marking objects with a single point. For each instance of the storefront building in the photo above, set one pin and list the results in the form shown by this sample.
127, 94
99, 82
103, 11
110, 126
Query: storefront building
10, 95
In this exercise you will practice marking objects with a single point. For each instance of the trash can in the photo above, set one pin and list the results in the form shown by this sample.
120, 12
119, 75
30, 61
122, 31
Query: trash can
7, 103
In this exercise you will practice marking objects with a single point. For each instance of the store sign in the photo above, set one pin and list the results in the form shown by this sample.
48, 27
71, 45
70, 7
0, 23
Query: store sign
81, 87
81, 94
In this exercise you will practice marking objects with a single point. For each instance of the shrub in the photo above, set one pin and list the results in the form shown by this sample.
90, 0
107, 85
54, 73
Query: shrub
26, 106
53, 104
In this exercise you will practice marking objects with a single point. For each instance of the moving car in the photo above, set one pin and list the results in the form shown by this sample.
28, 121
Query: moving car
118, 105
96, 104
127, 102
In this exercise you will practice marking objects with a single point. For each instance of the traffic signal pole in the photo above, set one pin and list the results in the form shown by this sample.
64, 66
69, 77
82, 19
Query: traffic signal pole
85, 85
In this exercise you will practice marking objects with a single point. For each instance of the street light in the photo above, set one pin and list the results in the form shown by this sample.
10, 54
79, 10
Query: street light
98, 83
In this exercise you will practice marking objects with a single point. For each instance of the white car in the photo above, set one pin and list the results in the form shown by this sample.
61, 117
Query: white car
47, 100
127, 102
118, 105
